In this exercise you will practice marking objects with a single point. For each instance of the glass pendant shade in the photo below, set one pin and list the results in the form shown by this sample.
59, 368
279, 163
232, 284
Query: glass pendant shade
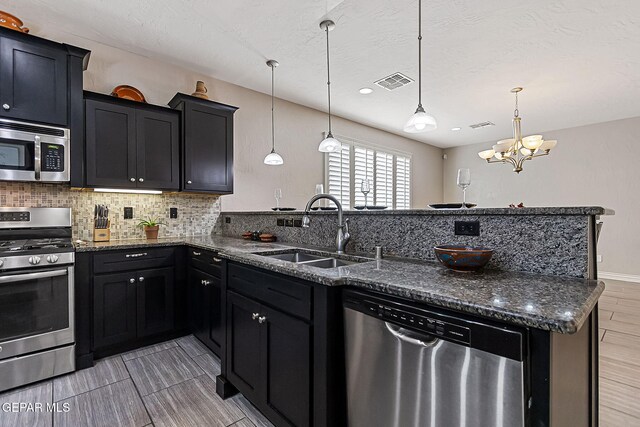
329, 144
273, 159
420, 122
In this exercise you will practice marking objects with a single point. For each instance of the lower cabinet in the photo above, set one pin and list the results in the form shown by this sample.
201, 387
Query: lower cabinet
205, 298
284, 347
132, 305
270, 358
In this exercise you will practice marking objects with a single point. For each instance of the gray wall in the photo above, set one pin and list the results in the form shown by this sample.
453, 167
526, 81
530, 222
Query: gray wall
592, 165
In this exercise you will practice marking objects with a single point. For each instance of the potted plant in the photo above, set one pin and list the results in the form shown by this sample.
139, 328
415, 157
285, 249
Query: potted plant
151, 227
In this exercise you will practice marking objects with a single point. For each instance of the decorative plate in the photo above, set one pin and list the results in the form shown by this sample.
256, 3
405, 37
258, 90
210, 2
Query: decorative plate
128, 92
9, 21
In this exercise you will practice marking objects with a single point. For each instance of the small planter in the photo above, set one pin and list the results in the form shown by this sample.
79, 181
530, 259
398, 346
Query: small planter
152, 232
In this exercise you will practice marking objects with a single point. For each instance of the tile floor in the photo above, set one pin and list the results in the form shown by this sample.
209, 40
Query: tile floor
620, 355
168, 384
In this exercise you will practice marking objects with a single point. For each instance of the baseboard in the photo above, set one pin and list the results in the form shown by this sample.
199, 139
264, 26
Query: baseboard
618, 276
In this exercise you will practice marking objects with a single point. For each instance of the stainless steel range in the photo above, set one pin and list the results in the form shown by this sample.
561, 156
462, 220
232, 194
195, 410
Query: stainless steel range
36, 295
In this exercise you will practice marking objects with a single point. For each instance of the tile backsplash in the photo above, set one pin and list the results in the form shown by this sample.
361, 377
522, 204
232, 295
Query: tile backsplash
197, 213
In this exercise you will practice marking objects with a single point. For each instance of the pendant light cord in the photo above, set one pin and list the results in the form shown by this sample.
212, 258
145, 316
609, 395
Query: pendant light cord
273, 135
419, 54
329, 80
516, 112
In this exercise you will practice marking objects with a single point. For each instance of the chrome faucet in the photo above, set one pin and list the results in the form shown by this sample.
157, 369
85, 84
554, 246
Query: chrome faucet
343, 226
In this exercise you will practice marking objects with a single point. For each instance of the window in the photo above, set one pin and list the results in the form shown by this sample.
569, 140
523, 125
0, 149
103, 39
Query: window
389, 174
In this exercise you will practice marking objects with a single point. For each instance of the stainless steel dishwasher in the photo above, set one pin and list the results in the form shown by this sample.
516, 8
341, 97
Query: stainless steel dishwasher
414, 367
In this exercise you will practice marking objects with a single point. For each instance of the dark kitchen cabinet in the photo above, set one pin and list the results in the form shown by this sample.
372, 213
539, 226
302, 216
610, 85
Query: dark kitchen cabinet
207, 144
114, 309
129, 145
40, 80
137, 297
33, 82
284, 347
155, 301
205, 298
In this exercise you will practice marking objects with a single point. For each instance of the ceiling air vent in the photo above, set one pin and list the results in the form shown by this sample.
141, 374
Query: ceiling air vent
394, 81
481, 125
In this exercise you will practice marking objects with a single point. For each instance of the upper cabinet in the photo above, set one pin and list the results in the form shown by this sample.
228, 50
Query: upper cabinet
207, 144
131, 145
36, 78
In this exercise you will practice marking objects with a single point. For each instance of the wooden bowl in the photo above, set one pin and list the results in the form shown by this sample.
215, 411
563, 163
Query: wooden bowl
9, 21
463, 258
128, 92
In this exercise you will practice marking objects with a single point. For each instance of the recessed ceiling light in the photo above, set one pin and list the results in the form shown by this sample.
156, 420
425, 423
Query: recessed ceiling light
455, 129
366, 90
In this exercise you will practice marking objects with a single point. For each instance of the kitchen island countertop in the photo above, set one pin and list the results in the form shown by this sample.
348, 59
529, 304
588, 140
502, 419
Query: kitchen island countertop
553, 303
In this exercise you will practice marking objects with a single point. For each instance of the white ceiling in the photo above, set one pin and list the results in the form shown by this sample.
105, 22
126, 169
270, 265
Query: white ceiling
579, 60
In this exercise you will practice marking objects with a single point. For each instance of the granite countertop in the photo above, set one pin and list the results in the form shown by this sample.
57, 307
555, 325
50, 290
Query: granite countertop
552, 210
558, 304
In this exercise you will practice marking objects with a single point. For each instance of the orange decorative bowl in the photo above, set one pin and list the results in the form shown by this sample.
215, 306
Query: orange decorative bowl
10, 21
128, 92
462, 258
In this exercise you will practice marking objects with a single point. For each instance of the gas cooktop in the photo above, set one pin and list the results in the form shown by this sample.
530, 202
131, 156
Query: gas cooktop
20, 246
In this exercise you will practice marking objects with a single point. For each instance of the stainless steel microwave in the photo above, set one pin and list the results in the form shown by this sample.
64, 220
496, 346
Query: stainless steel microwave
33, 152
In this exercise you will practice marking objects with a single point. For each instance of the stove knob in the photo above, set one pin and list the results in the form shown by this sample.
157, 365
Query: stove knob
52, 259
34, 260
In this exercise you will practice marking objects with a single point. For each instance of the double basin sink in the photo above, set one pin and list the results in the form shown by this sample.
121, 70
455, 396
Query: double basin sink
314, 260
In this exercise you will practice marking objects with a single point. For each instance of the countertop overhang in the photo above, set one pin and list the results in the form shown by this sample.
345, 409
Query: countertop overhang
552, 303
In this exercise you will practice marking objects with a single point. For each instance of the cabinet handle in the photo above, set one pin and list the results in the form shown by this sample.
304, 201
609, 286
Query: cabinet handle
132, 280
189, 182
196, 253
217, 260
254, 316
132, 179
7, 107
205, 282
262, 319
141, 179
135, 255
140, 279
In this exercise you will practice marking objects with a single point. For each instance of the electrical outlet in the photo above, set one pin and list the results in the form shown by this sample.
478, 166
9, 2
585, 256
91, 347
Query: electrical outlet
227, 220
280, 222
128, 212
467, 228
297, 223
173, 212
288, 222
599, 258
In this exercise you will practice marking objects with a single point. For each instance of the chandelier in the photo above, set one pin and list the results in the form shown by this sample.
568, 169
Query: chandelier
517, 150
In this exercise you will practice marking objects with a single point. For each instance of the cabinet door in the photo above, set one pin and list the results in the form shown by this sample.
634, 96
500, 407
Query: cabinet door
158, 158
33, 82
110, 145
208, 149
114, 308
286, 367
199, 305
243, 345
216, 325
155, 301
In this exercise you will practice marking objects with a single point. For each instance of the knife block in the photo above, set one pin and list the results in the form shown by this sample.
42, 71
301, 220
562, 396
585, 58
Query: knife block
102, 234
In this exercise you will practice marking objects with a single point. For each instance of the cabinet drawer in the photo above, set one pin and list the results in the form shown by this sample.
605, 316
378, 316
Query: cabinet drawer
205, 260
133, 259
288, 295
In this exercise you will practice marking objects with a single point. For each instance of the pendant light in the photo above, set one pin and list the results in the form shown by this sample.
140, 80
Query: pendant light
420, 121
273, 158
329, 144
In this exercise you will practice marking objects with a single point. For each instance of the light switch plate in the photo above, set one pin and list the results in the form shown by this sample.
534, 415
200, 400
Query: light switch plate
128, 212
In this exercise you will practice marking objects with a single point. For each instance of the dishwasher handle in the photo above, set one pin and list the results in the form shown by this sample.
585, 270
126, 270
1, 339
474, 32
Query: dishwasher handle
411, 337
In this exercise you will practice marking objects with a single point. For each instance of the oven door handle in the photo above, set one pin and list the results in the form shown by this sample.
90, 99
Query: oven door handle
32, 276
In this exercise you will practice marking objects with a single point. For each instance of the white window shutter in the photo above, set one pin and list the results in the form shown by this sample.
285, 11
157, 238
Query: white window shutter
384, 179
338, 175
403, 182
363, 169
